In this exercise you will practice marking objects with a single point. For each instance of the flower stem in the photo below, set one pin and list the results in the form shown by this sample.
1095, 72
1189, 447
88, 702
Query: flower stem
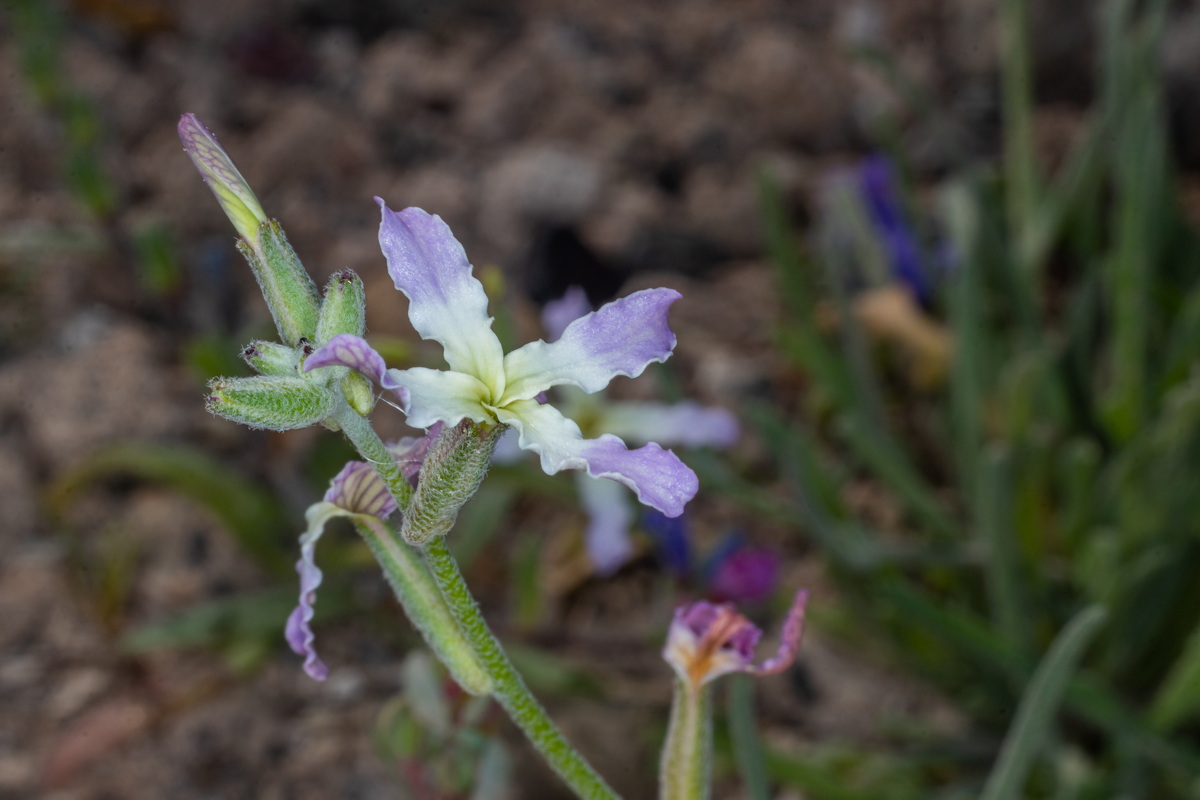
368, 444
686, 769
510, 690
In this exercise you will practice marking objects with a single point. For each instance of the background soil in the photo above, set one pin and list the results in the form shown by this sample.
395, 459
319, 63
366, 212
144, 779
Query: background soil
612, 144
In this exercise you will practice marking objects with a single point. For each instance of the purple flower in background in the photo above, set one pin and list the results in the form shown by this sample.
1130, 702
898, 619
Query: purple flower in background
734, 571
877, 182
739, 573
707, 641
685, 424
356, 492
487, 386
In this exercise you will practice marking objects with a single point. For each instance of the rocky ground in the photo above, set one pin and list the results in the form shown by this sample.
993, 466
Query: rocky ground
613, 144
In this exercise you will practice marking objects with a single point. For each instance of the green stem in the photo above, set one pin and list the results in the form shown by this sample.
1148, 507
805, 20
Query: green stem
368, 444
686, 769
423, 604
510, 690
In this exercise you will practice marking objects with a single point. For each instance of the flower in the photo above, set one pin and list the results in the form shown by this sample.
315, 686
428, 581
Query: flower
488, 387
707, 641
733, 571
359, 493
687, 424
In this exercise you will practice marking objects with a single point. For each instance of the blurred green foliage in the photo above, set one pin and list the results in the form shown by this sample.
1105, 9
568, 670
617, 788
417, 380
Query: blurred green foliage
1056, 469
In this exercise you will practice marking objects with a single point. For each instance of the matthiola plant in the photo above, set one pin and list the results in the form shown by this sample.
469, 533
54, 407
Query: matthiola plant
321, 372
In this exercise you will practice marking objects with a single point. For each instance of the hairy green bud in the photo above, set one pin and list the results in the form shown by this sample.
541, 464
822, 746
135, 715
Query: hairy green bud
453, 470
277, 403
344, 309
289, 291
272, 358
359, 392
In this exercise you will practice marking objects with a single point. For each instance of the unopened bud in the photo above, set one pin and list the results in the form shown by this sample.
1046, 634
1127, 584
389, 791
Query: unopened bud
272, 358
344, 309
453, 470
277, 403
359, 392
289, 291
223, 178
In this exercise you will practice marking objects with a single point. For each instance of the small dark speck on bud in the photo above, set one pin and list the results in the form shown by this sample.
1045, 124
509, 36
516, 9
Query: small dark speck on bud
345, 276
250, 352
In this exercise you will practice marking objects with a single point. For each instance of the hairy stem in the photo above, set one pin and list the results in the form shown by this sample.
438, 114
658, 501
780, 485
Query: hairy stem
686, 769
510, 689
368, 444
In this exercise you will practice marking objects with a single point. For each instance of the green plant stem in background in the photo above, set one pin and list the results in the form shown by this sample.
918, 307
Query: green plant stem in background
686, 769
510, 690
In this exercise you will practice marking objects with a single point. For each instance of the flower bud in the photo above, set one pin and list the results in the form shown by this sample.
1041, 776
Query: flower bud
277, 403
233, 193
453, 470
344, 309
359, 393
290, 292
272, 358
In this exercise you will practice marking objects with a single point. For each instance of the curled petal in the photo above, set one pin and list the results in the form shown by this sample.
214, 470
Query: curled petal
789, 640
348, 350
621, 338
609, 519
358, 489
299, 625
657, 476
432, 396
686, 424
447, 303
558, 314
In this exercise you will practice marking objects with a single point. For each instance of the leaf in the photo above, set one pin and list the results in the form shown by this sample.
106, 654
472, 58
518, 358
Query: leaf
254, 517
1035, 714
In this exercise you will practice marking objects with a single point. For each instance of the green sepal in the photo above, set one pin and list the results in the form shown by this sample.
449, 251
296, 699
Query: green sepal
344, 309
277, 403
289, 291
359, 392
451, 474
272, 358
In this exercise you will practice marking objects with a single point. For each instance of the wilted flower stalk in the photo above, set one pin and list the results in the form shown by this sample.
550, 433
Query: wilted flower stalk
705, 642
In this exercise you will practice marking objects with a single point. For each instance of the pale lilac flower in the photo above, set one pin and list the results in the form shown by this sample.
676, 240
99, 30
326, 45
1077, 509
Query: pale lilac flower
359, 493
489, 387
707, 641
686, 424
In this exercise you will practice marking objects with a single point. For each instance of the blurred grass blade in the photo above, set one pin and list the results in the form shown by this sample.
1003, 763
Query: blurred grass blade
743, 732
994, 515
1035, 714
258, 614
253, 515
1020, 164
1178, 698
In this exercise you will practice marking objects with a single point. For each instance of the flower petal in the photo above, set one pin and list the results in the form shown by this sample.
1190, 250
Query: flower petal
609, 519
432, 395
686, 424
347, 350
359, 490
789, 640
658, 477
447, 303
299, 630
622, 338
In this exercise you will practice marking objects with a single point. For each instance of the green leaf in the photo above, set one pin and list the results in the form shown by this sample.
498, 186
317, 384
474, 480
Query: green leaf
253, 516
1035, 714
